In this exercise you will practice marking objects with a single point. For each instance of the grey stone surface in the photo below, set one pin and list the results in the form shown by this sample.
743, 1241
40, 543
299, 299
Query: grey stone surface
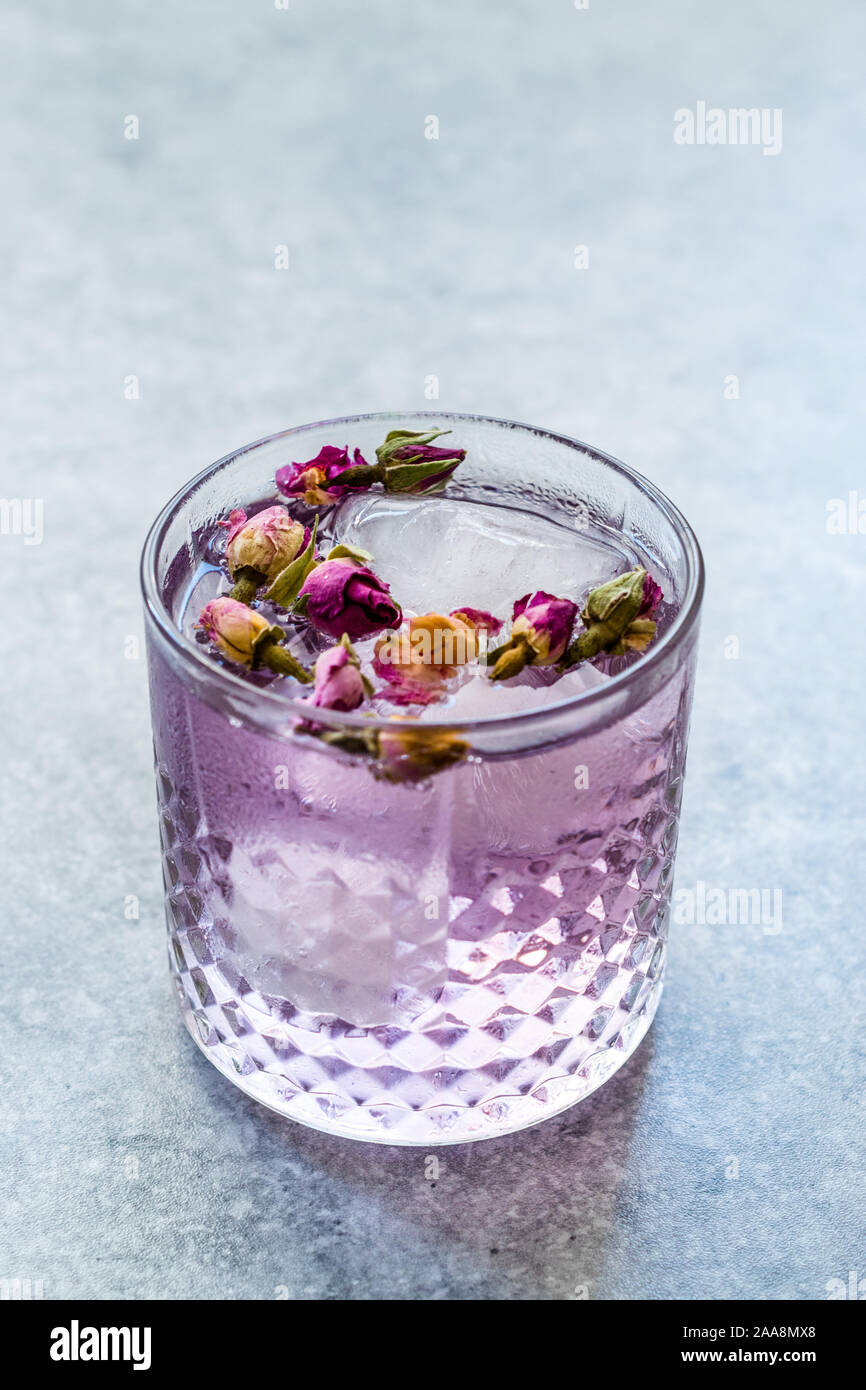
131, 1167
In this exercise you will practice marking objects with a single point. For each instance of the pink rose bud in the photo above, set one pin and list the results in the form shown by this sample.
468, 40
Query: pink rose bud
540, 633
546, 623
243, 635
266, 542
409, 461
342, 596
234, 628
321, 480
339, 683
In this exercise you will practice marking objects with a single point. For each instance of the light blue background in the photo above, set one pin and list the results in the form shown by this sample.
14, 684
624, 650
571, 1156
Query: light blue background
131, 1167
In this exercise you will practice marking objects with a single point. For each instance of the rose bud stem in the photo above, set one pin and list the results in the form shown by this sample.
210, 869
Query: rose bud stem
597, 638
247, 584
278, 658
510, 660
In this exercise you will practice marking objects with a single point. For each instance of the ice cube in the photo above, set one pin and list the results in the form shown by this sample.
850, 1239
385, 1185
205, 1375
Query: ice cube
349, 936
354, 926
438, 553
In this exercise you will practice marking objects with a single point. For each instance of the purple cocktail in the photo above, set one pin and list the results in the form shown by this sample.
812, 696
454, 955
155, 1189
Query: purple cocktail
419, 952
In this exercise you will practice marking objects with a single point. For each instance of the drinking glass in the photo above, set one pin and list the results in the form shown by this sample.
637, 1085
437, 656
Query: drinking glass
448, 958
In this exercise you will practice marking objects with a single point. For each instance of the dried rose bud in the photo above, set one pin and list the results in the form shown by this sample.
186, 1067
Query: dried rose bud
405, 752
330, 475
539, 634
410, 753
652, 597
234, 628
617, 617
342, 596
409, 682
479, 619
259, 547
411, 463
339, 682
244, 636
417, 661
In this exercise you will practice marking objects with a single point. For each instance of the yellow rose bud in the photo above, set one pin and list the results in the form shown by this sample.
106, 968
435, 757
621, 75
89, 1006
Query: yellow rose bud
233, 628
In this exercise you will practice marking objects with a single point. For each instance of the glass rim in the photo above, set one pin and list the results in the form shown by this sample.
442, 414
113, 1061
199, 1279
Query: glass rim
198, 658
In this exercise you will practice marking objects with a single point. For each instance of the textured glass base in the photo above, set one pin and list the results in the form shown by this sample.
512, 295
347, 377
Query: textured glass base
372, 1101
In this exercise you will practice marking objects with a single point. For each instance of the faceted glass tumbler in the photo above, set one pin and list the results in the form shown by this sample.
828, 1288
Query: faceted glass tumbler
443, 960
